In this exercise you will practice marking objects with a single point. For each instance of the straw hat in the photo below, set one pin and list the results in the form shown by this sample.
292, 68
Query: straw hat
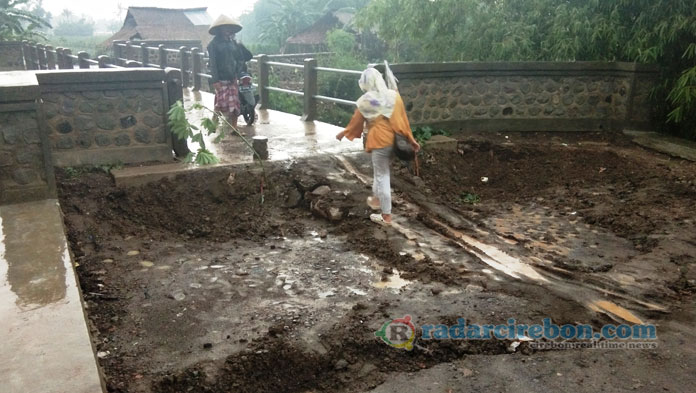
224, 20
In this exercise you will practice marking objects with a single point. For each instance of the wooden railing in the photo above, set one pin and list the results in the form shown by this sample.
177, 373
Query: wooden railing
192, 64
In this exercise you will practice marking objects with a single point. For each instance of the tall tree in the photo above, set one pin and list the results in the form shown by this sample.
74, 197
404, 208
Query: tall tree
70, 25
18, 23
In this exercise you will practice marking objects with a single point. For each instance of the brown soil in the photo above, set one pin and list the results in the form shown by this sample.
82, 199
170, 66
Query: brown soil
226, 294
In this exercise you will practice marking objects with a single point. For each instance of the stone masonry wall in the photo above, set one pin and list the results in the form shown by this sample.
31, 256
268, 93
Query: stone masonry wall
514, 98
527, 96
25, 169
111, 116
22, 167
11, 56
103, 118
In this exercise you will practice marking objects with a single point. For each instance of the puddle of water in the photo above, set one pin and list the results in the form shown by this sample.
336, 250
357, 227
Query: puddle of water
394, 281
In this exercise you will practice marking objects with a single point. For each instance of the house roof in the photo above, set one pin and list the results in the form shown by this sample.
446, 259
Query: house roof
165, 24
316, 34
169, 16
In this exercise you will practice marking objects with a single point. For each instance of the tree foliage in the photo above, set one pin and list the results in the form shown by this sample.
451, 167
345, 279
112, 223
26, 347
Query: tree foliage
18, 22
272, 21
71, 25
648, 31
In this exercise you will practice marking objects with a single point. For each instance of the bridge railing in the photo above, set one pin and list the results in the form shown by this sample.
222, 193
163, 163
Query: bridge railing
310, 92
192, 63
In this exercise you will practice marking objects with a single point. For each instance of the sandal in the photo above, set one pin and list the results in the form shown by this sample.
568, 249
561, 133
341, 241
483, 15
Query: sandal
373, 203
377, 218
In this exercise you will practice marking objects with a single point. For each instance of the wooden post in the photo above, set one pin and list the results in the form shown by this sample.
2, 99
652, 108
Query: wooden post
144, 54
162, 56
263, 81
184, 65
50, 58
310, 90
174, 93
41, 50
196, 68
117, 51
103, 61
67, 60
82, 58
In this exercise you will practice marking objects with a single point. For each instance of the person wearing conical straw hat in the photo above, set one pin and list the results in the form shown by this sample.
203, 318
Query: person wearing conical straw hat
227, 59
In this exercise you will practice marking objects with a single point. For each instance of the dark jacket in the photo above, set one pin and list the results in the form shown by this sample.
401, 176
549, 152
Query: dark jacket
227, 59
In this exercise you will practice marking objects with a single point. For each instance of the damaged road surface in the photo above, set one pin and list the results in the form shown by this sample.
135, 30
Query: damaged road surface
194, 285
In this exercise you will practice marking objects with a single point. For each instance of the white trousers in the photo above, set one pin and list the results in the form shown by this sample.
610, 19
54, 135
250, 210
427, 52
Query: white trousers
381, 187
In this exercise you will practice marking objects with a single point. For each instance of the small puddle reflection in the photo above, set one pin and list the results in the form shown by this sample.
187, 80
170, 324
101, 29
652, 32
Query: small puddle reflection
34, 271
393, 281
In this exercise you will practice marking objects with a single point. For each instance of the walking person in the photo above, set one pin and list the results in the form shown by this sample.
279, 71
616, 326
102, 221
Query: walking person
227, 60
382, 110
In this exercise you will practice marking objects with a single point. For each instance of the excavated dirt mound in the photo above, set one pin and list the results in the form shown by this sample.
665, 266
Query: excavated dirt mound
194, 285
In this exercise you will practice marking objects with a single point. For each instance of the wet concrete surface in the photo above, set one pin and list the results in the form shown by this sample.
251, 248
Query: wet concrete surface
45, 343
675, 147
288, 136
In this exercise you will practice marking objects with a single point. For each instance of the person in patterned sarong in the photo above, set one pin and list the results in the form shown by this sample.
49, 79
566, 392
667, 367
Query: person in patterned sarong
227, 59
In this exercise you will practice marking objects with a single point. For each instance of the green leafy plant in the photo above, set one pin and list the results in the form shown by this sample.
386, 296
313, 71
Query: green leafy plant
184, 130
661, 32
424, 133
72, 172
107, 168
470, 198
18, 23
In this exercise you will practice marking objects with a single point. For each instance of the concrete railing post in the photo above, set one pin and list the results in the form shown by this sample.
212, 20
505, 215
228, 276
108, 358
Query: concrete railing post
128, 52
263, 81
67, 60
174, 93
117, 51
144, 54
41, 50
310, 90
196, 68
25, 54
82, 58
103, 61
34, 53
50, 58
59, 57
162, 56
184, 65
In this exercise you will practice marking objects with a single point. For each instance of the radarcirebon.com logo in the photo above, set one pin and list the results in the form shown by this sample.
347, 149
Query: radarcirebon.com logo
398, 333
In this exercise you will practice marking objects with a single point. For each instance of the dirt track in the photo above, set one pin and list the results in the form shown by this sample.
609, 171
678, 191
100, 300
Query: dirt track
226, 294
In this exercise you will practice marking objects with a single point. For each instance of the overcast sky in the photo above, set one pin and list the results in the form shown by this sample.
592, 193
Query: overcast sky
108, 9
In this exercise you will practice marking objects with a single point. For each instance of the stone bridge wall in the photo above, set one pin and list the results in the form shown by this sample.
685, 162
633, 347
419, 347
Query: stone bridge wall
105, 116
25, 169
78, 117
577, 96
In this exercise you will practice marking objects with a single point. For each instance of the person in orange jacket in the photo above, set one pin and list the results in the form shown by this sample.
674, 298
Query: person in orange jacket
382, 108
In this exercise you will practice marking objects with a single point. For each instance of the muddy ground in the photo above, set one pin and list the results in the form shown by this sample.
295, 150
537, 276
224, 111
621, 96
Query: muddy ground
194, 285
